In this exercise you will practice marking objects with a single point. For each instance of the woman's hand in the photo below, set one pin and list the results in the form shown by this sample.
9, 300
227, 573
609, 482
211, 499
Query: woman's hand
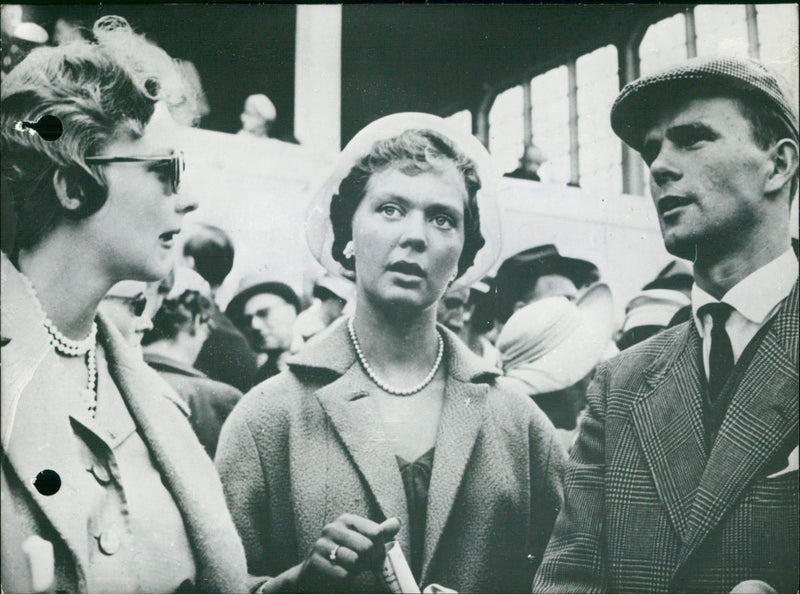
348, 545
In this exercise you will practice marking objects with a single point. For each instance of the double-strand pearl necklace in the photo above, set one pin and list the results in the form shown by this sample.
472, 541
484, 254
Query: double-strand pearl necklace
383, 385
86, 347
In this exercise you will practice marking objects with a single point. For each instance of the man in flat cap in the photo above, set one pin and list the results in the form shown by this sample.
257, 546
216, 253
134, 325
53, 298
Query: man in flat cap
684, 477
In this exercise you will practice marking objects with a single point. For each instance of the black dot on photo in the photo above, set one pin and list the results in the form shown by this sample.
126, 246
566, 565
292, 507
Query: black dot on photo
49, 127
47, 482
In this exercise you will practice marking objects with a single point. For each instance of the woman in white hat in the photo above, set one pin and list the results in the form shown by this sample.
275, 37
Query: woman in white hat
387, 426
549, 349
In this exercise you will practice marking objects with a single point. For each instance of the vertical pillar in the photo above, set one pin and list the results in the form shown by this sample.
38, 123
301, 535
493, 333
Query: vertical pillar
691, 33
481, 119
574, 154
752, 31
318, 77
527, 115
632, 169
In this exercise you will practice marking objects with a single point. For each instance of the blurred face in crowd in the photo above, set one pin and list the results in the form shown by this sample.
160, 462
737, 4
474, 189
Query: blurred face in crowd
271, 321
137, 226
549, 285
452, 309
127, 307
408, 233
707, 174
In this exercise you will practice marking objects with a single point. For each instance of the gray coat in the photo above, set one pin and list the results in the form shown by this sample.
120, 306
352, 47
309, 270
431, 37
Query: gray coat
306, 446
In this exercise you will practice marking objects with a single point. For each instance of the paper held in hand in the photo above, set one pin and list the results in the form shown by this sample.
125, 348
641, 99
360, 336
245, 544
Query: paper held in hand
397, 577
395, 573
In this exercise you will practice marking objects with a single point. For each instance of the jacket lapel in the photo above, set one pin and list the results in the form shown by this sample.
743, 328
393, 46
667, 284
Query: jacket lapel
187, 471
355, 417
668, 421
31, 376
462, 417
357, 421
763, 412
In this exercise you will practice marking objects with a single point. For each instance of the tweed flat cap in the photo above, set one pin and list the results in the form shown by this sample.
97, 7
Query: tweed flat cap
641, 101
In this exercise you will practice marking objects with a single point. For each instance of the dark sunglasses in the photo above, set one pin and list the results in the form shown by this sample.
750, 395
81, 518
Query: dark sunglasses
175, 161
136, 303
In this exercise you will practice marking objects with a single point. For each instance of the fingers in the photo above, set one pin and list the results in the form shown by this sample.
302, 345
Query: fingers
361, 536
347, 546
319, 568
390, 528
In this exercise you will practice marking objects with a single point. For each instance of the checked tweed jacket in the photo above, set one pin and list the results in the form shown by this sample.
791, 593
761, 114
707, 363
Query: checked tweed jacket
647, 508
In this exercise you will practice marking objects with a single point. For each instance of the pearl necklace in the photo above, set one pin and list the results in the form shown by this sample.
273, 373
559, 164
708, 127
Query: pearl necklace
383, 385
72, 348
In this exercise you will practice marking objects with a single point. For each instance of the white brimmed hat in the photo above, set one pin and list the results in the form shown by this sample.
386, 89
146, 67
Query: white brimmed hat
553, 343
653, 307
319, 231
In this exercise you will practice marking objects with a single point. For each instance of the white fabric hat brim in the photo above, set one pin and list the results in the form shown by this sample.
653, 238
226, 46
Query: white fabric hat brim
575, 354
319, 232
654, 307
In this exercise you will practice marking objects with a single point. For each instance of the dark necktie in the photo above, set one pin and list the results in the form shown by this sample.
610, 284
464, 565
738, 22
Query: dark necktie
720, 359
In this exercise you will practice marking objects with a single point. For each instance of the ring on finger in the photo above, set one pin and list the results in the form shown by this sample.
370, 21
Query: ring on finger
332, 557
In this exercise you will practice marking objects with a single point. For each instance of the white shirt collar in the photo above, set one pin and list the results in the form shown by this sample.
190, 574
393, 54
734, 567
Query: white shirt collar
755, 296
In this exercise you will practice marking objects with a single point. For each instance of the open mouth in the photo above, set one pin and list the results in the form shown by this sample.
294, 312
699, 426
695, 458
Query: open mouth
669, 203
408, 268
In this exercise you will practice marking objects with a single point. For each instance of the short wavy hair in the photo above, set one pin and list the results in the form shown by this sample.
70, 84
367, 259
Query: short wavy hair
412, 152
101, 90
177, 315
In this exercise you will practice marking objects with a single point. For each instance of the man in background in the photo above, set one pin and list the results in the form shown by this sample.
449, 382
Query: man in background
536, 273
226, 355
266, 311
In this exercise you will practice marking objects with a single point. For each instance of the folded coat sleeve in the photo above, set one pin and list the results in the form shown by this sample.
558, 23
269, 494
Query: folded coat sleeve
574, 560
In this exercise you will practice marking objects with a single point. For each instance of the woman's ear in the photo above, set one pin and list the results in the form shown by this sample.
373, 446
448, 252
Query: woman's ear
69, 193
784, 165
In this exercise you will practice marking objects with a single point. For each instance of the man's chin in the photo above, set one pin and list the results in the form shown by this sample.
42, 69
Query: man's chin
680, 247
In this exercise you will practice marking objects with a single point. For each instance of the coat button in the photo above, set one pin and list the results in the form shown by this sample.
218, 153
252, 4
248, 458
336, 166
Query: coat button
109, 543
100, 472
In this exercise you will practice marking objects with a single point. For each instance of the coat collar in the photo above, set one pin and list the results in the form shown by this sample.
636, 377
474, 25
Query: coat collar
668, 420
698, 489
332, 352
356, 420
30, 378
761, 416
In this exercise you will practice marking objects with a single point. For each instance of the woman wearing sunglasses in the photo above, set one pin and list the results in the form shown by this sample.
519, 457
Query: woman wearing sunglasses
387, 426
104, 486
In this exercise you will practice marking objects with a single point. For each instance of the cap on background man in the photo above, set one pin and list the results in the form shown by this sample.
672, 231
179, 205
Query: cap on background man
540, 272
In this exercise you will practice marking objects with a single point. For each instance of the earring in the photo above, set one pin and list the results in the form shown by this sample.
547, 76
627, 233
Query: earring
349, 250
453, 277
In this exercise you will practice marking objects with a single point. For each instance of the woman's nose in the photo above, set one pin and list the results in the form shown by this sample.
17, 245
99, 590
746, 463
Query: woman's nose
186, 202
414, 231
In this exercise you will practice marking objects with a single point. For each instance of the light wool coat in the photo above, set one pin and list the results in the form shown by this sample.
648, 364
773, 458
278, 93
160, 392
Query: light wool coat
306, 446
36, 426
647, 509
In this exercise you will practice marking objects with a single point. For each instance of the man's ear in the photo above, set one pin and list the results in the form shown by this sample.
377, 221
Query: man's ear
69, 193
784, 165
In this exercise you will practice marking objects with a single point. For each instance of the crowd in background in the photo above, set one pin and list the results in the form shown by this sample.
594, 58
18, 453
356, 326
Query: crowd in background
409, 400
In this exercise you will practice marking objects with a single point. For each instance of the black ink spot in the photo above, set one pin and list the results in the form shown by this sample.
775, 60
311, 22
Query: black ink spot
47, 482
49, 127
